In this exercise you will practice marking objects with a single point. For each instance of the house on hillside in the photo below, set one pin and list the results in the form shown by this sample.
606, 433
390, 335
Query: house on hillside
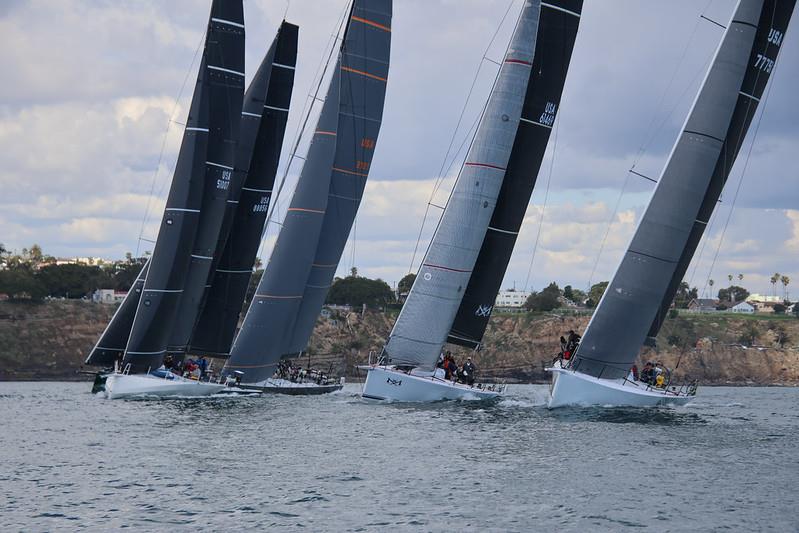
108, 296
703, 305
743, 307
511, 300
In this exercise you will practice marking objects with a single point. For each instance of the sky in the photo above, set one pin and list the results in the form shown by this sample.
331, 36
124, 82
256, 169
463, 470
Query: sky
94, 99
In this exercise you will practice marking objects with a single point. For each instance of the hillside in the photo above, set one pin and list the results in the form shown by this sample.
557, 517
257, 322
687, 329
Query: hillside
50, 341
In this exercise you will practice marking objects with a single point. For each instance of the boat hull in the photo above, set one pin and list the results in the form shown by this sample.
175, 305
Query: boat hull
570, 388
282, 386
130, 385
387, 383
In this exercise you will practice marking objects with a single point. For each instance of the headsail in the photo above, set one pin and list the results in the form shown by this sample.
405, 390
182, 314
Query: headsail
268, 322
263, 125
621, 321
557, 31
221, 65
364, 71
771, 28
112, 342
429, 311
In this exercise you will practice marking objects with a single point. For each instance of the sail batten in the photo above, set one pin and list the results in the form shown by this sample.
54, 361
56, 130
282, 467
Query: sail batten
432, 304
667, 233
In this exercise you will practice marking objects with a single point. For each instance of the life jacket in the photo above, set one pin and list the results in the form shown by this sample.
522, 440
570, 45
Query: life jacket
567, 354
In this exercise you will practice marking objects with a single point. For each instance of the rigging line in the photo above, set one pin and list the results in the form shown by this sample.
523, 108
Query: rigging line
163, 142
306, 113
440, 176
546, 199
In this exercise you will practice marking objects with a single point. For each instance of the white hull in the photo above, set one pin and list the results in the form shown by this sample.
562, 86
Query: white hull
387, 383
129, 385
573, 388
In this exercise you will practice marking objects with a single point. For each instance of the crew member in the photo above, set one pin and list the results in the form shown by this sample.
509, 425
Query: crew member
468, 371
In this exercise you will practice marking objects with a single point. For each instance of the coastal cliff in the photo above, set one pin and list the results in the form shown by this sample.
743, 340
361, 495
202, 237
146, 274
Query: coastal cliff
49, 341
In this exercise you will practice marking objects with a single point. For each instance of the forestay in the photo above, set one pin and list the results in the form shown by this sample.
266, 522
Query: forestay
222, 64
428, 313
263, 125
621, 321
774, 19
557, 31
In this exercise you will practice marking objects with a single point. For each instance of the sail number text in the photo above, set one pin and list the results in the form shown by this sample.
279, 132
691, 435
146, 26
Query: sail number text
764, 63
262, 206
548, 116
223, 183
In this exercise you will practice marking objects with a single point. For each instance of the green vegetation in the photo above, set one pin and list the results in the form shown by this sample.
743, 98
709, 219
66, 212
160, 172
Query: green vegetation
546, 300
356, 291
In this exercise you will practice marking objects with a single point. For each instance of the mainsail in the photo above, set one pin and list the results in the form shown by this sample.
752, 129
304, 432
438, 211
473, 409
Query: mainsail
557, 31
221, 70
774, 18
324, 204
691, 177
364, 67
430, 309
263, 125
225, 96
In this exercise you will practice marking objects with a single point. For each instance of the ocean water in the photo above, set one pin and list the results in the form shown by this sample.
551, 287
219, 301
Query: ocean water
71, 461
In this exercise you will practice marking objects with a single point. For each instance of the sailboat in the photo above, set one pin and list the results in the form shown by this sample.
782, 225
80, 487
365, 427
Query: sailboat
643, 286
292, 290
453, 295
226, 133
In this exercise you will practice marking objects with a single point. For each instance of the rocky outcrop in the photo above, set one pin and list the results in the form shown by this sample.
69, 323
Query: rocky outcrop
51, 340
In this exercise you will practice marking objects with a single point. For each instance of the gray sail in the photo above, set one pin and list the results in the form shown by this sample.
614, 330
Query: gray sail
111, 345
269, 320
429, 311
225, 97
620, 323
170, 262
263, 125
774, 20
365, 55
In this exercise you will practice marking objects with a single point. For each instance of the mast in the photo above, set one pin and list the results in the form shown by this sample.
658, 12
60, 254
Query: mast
221, 66
111, 344
771, 28
268, 321
557, 31
430, 309
225, 95
365, 56
625, 313
263, 125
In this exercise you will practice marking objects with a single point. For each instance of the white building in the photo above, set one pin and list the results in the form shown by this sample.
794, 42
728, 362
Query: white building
511, 299
743, 307
764, 299
108, 296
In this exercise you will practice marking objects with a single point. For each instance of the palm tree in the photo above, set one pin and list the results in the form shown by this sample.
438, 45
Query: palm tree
711, 282
774, 279
729, 277
740, 277
785, 281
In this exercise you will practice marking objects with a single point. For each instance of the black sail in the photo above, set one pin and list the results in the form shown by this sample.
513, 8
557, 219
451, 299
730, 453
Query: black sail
225, 56
365, 55
557, 31
263, 125
774, 19
112, 342
170, 262
269, 320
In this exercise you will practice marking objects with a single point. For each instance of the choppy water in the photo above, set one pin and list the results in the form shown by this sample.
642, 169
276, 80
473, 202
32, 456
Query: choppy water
72, 461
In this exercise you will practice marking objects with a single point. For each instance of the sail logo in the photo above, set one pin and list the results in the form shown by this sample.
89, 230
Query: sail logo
395, 382
223, 183
775, 36
547, 118
764, 63
484, 311
263, 206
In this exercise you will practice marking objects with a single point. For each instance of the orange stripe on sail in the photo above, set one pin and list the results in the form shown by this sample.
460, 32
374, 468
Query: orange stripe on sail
306, 210
371, 23
349, 172
321, 132
362, 73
